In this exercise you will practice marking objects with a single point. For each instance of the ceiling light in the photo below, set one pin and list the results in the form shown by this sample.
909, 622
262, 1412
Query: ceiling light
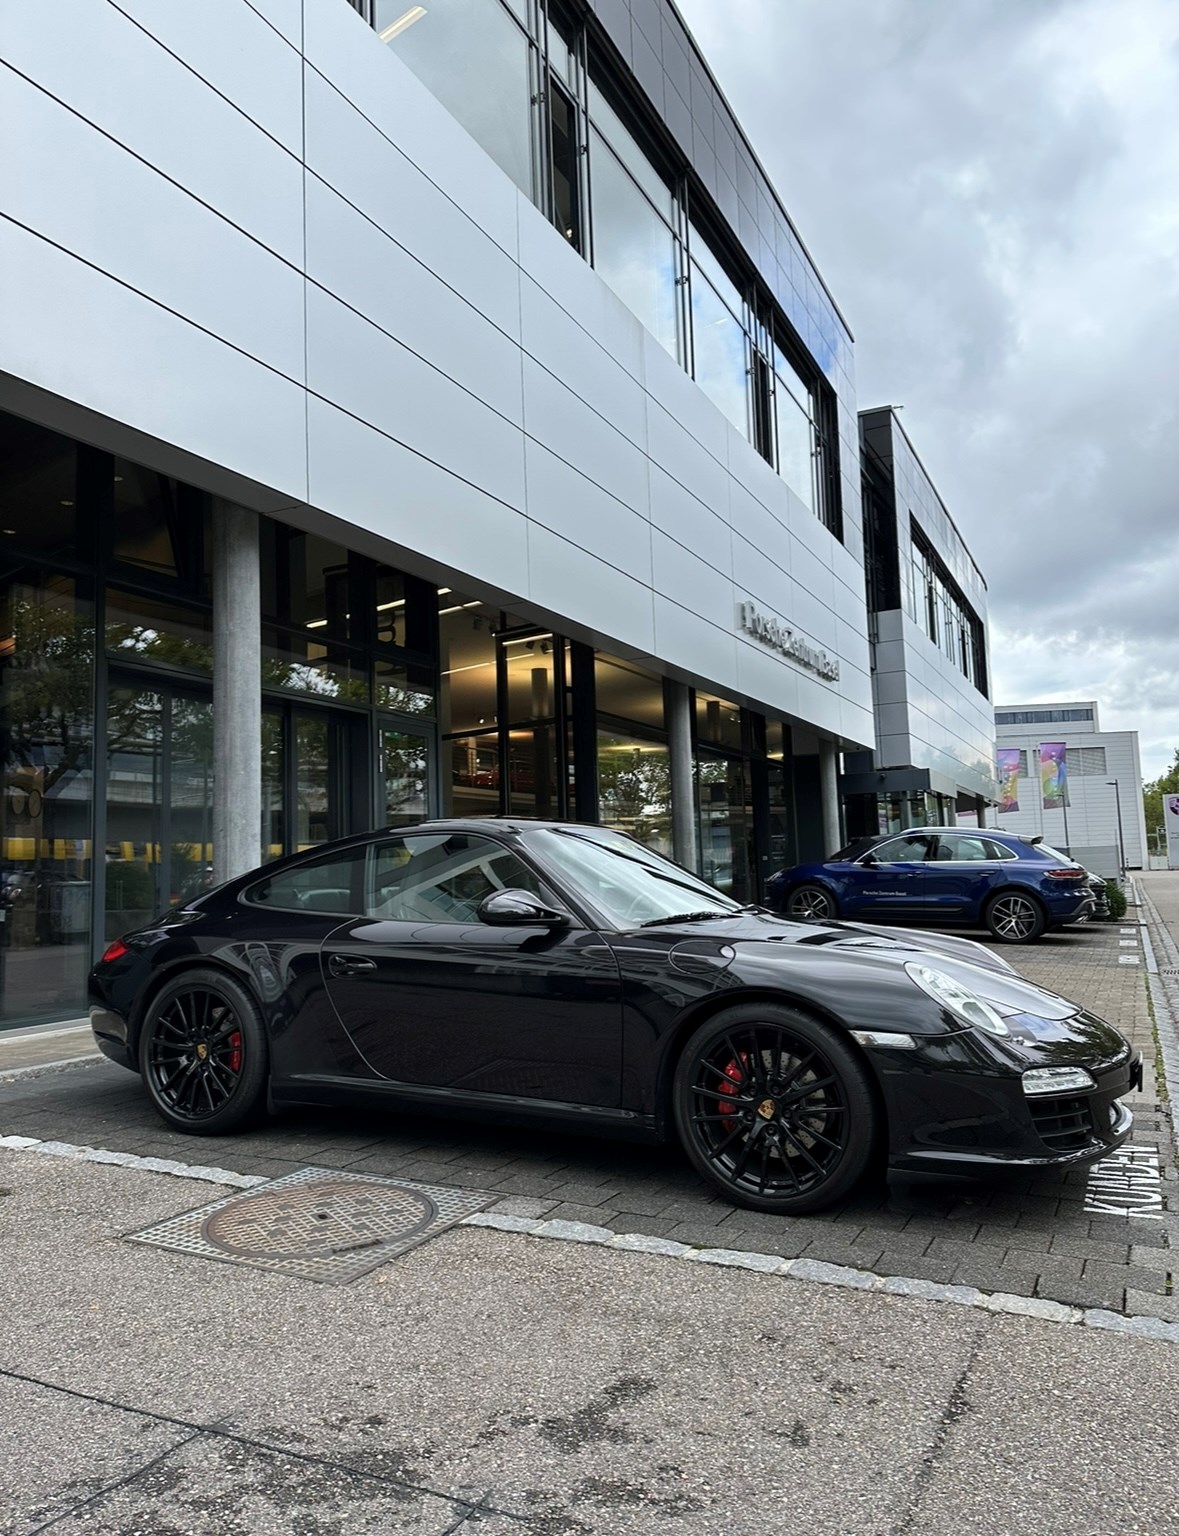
398, 602
407, 19
316, 623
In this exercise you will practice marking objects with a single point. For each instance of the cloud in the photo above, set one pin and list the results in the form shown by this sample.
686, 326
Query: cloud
989, 190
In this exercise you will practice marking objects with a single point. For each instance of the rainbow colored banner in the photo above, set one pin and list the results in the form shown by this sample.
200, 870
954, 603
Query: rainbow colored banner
1054, 775
1007, 762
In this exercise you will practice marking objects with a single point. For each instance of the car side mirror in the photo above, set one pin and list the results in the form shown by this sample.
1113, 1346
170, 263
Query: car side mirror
519, 909
868, 860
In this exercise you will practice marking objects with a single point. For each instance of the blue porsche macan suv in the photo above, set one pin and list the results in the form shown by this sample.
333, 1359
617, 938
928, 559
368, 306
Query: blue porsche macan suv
1017, 887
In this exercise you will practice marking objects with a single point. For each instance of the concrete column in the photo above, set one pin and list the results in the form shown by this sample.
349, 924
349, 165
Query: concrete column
829, 787
678, 707
982, 812
237, 692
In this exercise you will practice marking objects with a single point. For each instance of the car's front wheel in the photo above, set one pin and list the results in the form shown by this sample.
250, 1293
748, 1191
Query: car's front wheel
1014, 918
203, 1054
812, 902
774, 1108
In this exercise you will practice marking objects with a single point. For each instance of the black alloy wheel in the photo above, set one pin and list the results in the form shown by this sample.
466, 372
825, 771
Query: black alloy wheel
1015, 918
775, 1109
202, 1054
813, 902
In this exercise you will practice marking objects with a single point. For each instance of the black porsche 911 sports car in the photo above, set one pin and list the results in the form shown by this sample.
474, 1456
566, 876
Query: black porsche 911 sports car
565, 974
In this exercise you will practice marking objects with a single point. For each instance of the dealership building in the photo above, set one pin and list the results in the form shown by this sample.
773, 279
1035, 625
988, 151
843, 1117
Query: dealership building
411, 410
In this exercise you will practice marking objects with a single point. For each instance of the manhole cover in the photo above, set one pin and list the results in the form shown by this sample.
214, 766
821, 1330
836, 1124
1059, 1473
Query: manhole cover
317, 1224
329, 1216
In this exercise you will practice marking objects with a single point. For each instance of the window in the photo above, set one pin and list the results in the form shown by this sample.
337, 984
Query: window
324, 885
442, 878
963, 850
477, 61
634, 248
720, 359
1040, 716
934, 601
903, 850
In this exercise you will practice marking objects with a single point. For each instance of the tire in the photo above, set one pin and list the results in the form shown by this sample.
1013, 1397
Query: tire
203, 1054
774, 1109
1014, 917
811, 902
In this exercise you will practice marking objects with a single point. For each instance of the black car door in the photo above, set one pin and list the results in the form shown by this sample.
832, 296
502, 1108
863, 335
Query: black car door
433, 997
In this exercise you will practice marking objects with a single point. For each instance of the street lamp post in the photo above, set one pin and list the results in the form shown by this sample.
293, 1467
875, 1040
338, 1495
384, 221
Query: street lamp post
1113, 784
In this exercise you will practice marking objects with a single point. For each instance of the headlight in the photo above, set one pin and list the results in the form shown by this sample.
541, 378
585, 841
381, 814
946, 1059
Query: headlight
963, 1004
1057, 1080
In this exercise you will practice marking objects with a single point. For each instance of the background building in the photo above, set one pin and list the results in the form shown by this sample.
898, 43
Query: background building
405, 410
927, 607
1097, 761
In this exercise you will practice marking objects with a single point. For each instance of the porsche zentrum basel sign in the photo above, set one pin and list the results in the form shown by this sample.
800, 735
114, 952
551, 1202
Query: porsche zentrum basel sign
779, 637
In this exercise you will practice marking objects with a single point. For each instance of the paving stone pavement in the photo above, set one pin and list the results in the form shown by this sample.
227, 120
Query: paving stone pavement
1028, 1235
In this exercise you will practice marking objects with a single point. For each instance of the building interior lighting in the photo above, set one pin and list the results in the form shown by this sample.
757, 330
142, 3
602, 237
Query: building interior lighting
406, 19
458, 607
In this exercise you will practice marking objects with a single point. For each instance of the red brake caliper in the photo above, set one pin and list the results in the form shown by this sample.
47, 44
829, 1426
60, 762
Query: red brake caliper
731, 1079
235, 1051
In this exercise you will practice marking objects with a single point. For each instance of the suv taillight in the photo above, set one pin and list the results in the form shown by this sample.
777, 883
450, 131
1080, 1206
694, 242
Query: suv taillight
1066, 874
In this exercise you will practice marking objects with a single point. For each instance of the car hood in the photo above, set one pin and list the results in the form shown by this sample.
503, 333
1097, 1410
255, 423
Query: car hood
770, 927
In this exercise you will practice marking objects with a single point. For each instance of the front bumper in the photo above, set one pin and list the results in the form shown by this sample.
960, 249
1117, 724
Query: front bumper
968, 1107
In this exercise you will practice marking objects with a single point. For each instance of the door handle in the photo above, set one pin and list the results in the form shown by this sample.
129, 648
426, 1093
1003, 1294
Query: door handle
341, 965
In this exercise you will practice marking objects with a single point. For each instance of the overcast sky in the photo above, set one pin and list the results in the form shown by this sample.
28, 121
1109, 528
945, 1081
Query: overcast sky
991, 190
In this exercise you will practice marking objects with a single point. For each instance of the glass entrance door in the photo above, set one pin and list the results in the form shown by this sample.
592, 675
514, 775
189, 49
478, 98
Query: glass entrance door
159, 802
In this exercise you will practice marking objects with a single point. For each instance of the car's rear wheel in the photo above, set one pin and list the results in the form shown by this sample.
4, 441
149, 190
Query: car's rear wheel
203, 1054
774, 1108
1015, 918
812, 902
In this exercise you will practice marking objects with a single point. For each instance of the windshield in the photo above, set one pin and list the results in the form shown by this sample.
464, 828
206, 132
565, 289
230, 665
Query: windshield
626, 882
854, 849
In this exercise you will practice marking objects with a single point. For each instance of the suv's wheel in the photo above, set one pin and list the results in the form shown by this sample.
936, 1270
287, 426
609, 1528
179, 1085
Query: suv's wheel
812, 901
774, 1108
1015, 918
203, 1054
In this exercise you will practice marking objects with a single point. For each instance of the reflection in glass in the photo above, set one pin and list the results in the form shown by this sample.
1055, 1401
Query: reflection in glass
46, 804
475, 60
135, 799
532, 771
795, 447
405, 769
313, 809
725, 823
717, 721
634, 789
719, 349
273, 781
148, 629
625, 690
634, 250
404, 689
190, 833
291, 660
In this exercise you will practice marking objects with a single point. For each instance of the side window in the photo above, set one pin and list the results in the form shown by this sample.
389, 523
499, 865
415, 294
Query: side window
333, 884
904, 850
441, 877
963, 850
999, 850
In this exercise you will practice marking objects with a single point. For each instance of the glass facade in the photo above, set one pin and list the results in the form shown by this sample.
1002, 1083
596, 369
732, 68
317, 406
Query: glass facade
538, 93
385, 699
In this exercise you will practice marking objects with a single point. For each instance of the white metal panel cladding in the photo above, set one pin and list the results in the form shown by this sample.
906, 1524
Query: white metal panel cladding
443, 414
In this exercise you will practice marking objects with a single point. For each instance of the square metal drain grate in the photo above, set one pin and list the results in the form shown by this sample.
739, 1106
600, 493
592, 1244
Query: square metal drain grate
318, 1224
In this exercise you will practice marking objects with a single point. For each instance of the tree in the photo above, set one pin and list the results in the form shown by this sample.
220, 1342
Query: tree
1152, 800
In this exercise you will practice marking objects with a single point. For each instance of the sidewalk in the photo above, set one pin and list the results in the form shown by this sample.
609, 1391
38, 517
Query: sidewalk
505, 1385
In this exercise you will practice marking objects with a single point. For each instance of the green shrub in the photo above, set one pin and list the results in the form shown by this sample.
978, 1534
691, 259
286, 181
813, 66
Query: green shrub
1117, 900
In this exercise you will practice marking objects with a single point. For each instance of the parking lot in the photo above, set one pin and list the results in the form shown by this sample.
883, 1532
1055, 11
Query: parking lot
1059, 1237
